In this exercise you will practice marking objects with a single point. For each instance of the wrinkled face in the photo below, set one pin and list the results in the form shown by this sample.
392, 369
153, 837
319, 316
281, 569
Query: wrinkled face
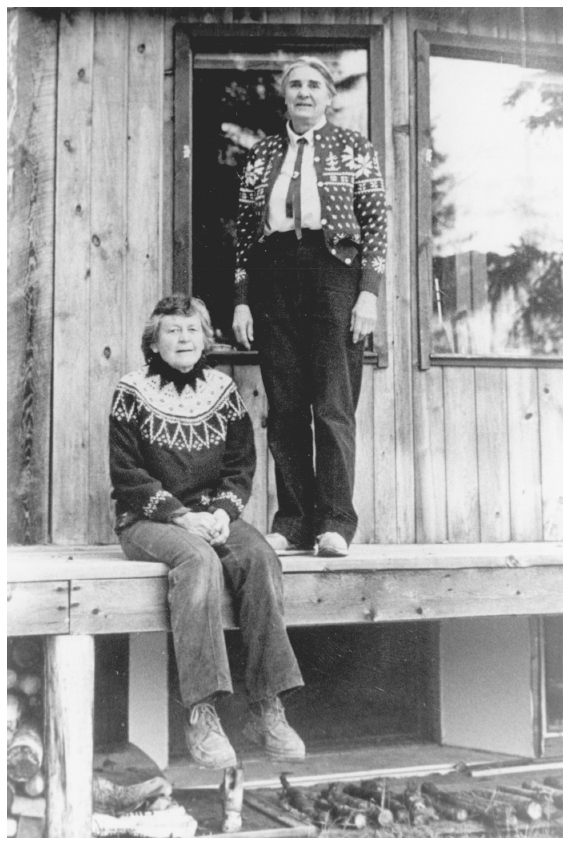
306, 96
180, 341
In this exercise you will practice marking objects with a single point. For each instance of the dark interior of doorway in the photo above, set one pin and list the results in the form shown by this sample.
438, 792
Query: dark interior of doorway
245, 103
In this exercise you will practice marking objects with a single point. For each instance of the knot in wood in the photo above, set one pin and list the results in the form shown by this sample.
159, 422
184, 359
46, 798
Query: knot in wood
96, 240
141, 48
81, 73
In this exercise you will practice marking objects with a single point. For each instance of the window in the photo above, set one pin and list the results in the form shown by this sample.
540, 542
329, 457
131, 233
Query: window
490, 200
226, 99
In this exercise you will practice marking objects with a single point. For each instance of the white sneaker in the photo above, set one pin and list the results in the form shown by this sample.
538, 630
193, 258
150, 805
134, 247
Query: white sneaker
332, 544
281, 545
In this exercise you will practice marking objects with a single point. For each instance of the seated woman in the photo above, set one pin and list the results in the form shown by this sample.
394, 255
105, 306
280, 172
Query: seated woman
182, 463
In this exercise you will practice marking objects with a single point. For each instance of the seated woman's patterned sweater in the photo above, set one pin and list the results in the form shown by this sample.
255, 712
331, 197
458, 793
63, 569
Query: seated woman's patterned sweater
179, 442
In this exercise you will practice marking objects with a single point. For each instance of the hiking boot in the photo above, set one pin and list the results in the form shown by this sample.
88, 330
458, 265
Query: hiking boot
332, 544
271, 730
206, 740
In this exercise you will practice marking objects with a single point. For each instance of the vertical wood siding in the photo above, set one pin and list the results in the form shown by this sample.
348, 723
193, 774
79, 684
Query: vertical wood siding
458, 454
32, 63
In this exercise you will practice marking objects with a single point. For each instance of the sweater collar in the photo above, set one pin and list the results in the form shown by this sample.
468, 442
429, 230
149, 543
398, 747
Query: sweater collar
168, 375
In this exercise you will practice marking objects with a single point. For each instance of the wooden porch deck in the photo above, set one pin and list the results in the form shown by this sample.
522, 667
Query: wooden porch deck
69, 594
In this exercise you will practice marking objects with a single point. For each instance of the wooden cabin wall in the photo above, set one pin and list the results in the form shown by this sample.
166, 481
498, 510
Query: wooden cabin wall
456, 453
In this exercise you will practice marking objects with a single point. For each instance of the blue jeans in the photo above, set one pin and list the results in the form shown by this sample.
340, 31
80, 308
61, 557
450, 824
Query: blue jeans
301, 299
252, 571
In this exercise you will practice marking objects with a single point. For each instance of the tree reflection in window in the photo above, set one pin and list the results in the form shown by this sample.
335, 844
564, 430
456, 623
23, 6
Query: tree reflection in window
496, 203
235, 103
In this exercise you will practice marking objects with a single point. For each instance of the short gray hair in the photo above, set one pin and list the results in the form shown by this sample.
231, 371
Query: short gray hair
177, 304
308, 61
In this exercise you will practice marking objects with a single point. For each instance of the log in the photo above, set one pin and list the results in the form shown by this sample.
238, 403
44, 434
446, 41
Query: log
553, 780
25, 754
472, 804
27, 653
527, 810
14, 710
11, 827
9, 797
296, 797
29, 684
35, 786
33, 808
556, 795
12, 679
231, 790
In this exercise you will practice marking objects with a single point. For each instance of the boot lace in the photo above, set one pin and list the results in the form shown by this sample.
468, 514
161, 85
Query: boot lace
205, 713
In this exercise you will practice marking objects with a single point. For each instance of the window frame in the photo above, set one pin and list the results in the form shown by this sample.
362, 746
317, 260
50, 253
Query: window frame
444, 44
192, 38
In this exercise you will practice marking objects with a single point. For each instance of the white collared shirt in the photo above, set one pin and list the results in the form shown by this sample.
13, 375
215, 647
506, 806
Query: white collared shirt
277, 220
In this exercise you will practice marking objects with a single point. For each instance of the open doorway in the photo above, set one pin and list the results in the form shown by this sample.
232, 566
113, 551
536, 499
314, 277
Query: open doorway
235, 103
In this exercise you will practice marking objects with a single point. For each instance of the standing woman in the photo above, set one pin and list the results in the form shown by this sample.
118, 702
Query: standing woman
310, 259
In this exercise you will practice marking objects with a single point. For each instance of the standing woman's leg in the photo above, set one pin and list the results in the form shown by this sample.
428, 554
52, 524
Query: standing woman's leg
283, 351
336, 380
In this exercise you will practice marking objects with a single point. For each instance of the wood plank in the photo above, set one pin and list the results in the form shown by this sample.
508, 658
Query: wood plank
402, 350
363, 498
144, 170
352, 598
182, 165
524, 455
120, 605
32, 61
38, 608
385, 499
384, 454
167, 173
38, 563
70, 675
462, 484
492, 451
424, 199
250, 385
429, 439
327, 598
550, 417
70, 494
108, 310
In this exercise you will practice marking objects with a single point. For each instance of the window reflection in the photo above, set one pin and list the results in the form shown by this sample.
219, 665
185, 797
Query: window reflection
497, 205
235, 103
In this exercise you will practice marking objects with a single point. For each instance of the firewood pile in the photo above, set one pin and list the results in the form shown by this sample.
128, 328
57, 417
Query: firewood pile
429, 809
26, 805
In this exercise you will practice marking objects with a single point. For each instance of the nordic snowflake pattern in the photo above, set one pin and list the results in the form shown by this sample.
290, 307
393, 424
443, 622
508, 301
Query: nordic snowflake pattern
164, 418
253, 171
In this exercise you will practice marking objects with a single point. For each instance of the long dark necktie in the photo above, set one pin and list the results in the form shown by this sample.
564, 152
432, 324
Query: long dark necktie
293, 201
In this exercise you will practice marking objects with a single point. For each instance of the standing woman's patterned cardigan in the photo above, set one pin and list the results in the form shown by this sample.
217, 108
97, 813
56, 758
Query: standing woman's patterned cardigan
179, 443
351, 191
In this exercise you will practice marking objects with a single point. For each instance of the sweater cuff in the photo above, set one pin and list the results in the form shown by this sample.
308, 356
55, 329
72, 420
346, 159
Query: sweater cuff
241, 286
160, 506
370, 280
229, 502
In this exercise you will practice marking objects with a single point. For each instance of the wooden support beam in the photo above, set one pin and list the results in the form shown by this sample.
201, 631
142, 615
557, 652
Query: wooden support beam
70, 673
38, 607
335, 597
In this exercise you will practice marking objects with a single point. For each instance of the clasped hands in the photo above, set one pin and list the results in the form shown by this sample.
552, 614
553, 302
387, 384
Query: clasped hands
214, 528
362, 320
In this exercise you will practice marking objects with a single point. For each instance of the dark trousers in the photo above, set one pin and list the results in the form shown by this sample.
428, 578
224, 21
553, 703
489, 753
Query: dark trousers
252, 571
301, 300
